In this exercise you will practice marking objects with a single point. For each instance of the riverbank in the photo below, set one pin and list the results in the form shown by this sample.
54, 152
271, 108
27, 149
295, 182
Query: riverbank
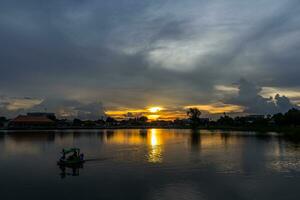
278, 129
262, 129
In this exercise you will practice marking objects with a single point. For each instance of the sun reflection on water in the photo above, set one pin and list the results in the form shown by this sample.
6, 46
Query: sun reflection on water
155, 147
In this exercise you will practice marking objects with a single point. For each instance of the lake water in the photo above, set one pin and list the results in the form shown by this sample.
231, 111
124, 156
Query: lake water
152, 164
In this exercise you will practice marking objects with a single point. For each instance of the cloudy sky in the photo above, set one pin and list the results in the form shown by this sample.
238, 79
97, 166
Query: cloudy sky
84, 57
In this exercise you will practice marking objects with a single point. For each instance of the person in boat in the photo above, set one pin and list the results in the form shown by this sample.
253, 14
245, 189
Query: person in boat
63, 157
81, 156
74, 156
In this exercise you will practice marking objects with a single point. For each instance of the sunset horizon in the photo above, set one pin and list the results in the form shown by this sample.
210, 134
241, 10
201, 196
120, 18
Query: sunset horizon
150, 99
277, 100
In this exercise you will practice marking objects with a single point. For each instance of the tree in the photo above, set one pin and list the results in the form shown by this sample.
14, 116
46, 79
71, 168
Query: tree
77, 122
194, 115
142, 119
2, 121
292, 117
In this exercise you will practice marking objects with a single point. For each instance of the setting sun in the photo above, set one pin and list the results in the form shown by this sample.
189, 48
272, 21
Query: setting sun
154, 109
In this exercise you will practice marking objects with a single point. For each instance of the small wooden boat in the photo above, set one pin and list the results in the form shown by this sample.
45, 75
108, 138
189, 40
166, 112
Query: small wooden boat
71, 160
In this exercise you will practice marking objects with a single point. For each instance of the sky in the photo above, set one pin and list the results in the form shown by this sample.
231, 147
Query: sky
85, 58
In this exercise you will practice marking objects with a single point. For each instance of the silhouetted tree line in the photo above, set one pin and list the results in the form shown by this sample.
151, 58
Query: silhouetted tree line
109, 121
193, 120
3, 120
290, 118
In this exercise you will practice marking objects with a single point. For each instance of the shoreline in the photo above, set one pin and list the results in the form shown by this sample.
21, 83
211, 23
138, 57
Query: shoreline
283, 129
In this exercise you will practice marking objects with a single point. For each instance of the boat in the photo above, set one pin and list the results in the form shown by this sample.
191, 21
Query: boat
71, 160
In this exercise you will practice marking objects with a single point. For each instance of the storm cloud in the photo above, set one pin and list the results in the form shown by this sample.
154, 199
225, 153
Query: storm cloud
134, 53
249, 97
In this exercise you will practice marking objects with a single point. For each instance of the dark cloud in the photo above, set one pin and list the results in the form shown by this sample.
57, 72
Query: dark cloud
135, 53
12, 106
249, 97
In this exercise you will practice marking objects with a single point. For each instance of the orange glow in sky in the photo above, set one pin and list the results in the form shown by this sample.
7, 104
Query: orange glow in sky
218, 108
165, 113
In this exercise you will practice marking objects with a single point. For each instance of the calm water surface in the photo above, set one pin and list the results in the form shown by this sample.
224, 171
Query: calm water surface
150, 164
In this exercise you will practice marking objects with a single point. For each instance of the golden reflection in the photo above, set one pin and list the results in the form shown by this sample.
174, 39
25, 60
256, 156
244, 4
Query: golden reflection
218, 140
119, 137
225, 149
153, 139
155, 147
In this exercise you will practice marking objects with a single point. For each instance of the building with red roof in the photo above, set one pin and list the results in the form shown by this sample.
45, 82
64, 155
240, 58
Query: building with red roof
31, 121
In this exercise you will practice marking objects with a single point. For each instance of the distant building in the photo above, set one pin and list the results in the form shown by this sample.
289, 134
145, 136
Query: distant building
32, 121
